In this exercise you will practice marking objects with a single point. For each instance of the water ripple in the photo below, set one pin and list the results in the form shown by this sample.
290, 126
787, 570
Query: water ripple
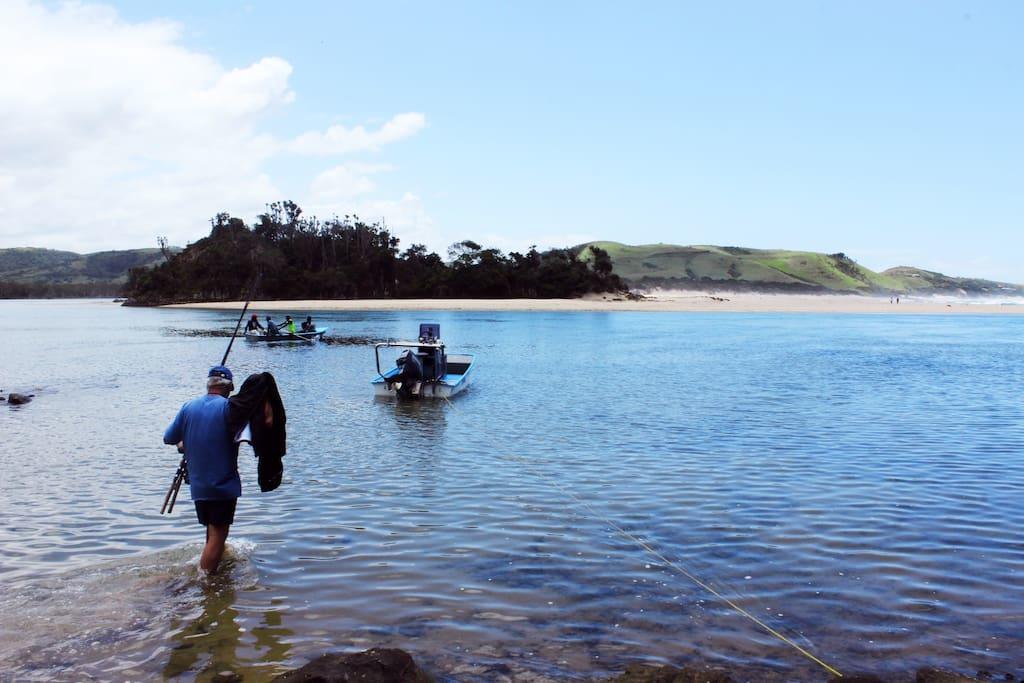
852, 481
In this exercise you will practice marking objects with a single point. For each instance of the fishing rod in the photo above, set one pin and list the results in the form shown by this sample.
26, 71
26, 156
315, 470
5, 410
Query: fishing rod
252, 290
653, 551
182, 473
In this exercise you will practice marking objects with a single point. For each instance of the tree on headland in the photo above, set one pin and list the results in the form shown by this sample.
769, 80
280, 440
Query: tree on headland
165, 248
302, 257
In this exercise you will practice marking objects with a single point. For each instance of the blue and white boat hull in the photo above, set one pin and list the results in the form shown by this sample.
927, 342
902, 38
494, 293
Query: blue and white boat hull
455, 381
285, 337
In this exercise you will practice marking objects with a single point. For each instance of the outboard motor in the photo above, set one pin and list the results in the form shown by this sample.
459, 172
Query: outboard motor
408, 380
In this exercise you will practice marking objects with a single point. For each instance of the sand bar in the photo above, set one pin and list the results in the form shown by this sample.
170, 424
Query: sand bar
695, 302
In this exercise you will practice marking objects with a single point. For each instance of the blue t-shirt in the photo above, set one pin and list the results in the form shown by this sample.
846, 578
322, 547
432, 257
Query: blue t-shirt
210, 449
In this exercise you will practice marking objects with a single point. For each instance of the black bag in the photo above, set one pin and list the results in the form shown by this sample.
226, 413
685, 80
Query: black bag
268, 443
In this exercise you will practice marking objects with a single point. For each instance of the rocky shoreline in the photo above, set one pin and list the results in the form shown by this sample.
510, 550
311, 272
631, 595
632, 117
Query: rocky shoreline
389, 665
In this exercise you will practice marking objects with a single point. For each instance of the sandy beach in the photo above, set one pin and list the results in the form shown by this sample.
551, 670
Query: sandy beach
697, 302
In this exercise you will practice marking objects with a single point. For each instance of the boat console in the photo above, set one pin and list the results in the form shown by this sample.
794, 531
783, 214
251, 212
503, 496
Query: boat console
432, 354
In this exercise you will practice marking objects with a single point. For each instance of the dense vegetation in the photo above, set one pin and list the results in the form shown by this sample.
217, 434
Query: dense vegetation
52, 290
299, 257
735, 268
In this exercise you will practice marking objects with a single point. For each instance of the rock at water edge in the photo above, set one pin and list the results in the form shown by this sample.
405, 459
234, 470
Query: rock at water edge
379, 665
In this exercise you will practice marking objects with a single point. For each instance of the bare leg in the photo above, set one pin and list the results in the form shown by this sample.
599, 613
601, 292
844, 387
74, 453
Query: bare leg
216, 537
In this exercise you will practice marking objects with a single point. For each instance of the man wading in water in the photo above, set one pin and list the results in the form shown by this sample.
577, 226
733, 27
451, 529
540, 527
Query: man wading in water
206, 428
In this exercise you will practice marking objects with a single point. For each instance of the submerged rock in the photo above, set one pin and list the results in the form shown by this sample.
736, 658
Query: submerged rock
645, 673
925, 675
18, 399
379, 665
940, 676
386, 665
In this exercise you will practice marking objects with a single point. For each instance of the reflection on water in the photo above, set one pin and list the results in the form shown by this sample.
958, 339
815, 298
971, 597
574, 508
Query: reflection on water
852, 481
217, 640
124, 617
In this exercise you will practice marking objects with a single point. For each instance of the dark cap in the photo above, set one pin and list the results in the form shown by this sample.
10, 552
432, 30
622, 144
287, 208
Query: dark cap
221, 371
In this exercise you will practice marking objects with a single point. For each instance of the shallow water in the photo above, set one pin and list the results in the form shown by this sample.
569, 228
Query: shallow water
853, 481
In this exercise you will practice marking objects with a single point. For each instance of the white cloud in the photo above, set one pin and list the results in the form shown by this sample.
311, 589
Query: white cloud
345, 182
405, 217
341, 140
113, 132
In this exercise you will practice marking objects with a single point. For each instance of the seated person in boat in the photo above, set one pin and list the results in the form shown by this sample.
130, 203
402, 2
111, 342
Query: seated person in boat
254, 324
307, 324
289, 324
272, 330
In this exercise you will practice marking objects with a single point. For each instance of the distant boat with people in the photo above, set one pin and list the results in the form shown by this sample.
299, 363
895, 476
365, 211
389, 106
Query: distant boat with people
424, 369
284, 337
286, 332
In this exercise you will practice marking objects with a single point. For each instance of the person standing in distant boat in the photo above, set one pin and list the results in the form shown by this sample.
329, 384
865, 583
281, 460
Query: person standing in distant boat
254, 324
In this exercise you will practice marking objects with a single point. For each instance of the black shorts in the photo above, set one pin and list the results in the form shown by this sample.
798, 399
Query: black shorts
216, 512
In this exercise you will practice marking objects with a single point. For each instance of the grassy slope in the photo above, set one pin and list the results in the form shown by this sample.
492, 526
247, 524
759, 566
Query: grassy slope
29, 264
918, 279
654, 264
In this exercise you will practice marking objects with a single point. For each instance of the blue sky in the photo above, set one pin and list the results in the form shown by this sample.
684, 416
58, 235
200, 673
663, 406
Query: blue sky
889, 131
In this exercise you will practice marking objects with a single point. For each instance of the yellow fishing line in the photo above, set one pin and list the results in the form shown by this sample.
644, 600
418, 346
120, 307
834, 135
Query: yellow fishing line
646, 546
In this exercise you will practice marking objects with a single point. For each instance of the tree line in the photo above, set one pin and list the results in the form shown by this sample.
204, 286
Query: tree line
58, 290
300, 257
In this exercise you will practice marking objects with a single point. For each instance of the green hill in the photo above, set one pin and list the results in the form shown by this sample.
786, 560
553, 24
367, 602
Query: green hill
30, 264
692, 267
919, 280
33, 272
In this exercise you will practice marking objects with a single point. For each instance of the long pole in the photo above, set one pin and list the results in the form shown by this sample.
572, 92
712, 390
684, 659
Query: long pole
252, 290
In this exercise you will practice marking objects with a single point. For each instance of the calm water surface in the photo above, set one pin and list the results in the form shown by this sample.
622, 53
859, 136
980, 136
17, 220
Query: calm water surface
854, 481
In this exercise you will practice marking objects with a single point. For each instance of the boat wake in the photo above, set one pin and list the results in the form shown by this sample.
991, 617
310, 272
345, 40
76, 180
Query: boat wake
103, 619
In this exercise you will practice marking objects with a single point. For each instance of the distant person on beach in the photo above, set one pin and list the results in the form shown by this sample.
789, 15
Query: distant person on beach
205, 430
254, 324
307, 324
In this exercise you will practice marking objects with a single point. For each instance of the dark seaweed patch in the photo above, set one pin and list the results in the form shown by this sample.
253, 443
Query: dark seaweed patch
330, 340
178, 332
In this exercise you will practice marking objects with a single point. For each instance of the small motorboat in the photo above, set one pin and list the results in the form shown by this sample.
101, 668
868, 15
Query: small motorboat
424, 369
286, 337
